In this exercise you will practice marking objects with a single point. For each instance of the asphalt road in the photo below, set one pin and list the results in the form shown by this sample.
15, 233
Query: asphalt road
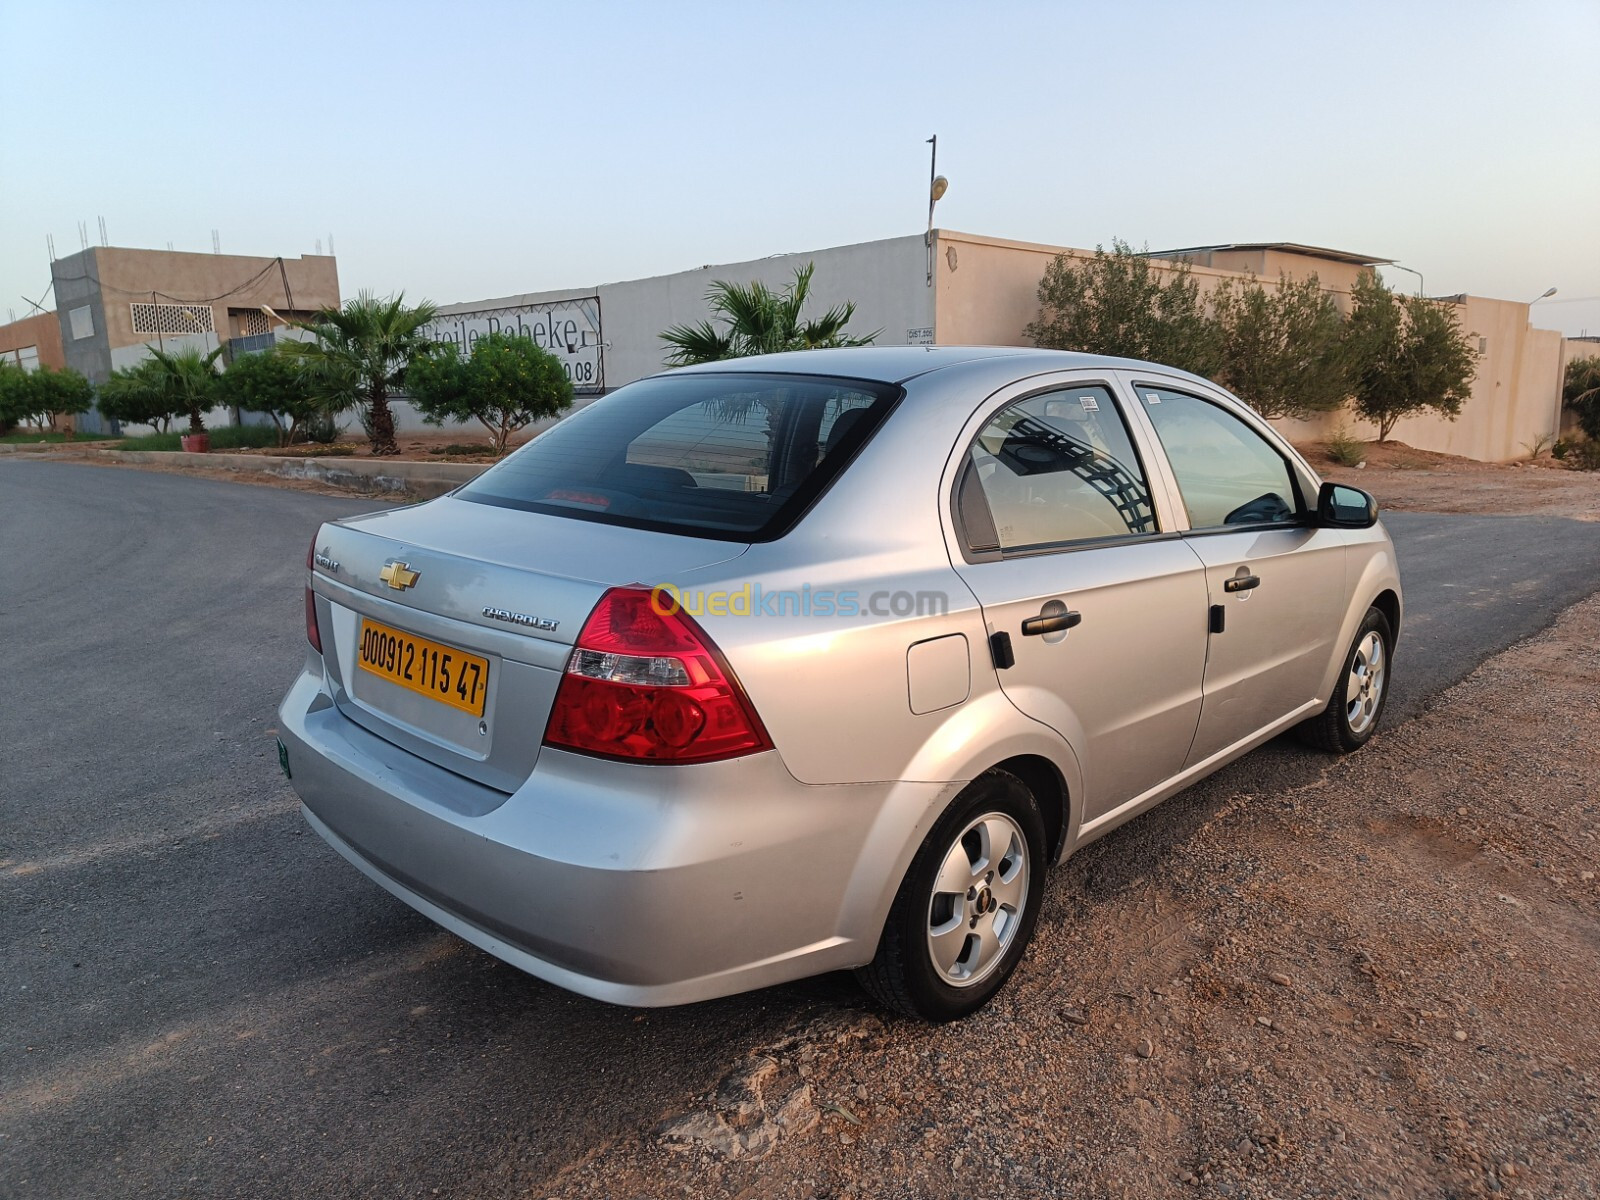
200, 998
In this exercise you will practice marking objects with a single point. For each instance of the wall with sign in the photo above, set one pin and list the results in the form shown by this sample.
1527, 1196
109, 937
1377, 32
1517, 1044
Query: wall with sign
568, 328
887, 280
609, 335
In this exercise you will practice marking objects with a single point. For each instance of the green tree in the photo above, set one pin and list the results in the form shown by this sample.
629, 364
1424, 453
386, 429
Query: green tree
277, 383
360, 354
758, 320
190, 380
60, 393
16, 399
1125, 304
505, 384
1580, 393
42, 395
138, 395
1283, 352
1407, 355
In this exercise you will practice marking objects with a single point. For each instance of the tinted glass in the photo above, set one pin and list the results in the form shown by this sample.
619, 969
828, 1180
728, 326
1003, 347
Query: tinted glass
1228, 473
713, 455
1059, 467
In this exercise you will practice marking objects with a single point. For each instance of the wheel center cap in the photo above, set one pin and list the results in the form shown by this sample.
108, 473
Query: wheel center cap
984, 902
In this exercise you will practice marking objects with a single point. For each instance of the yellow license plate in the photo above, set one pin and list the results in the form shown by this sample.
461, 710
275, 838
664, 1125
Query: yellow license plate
440, 672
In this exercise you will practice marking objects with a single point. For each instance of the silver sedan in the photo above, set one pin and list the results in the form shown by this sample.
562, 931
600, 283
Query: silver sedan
783, 665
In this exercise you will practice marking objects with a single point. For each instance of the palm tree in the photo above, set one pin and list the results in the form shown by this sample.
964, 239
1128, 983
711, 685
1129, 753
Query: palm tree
761, 321
189, 380
360, 356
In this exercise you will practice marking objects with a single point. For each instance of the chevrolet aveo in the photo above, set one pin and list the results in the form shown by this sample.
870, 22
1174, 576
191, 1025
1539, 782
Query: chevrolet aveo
777, 666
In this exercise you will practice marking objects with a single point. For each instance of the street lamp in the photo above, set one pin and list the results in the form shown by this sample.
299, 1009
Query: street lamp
938, 185
1544, 295
1418, 274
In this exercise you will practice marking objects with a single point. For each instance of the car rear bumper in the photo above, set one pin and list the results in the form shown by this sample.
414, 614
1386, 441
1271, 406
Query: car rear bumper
641, 885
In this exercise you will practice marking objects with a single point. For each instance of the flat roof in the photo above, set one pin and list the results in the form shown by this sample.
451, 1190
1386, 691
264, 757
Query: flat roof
1344, 256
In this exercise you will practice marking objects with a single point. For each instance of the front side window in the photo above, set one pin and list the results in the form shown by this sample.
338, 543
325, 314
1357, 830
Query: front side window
1227, 473
707, 454
1059, 467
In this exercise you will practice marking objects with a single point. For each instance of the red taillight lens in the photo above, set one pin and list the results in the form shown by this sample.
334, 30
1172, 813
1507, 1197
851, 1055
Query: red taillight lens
312, 633
644, 683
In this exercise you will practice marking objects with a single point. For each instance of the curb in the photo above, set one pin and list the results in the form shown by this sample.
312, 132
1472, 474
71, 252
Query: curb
420, 479
84, 445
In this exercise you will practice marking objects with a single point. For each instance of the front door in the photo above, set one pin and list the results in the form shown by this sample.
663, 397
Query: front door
1275, 583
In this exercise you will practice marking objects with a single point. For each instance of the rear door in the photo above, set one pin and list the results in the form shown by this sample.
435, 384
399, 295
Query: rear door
1276, 585
1061, 540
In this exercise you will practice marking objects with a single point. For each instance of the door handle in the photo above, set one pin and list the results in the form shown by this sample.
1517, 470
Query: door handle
1054, 623
1241, 582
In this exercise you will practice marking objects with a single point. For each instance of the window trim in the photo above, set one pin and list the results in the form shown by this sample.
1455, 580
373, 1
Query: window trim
1250, 420
980, 421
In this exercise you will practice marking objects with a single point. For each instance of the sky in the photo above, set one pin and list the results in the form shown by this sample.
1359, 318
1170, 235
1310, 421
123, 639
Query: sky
465, 150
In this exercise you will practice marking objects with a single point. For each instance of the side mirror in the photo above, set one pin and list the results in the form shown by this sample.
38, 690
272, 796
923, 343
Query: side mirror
1341, 506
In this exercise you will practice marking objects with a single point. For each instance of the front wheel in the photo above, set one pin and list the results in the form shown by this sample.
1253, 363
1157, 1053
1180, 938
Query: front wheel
967, 906
1352, 714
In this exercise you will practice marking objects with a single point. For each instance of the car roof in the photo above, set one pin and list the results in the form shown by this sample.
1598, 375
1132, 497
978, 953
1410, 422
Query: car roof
897, 364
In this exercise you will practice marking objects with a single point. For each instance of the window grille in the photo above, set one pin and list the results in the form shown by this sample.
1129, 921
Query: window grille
253, 324
172, 318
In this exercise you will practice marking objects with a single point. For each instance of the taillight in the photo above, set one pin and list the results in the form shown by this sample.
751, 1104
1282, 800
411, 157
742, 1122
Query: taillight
644, 683
311, 602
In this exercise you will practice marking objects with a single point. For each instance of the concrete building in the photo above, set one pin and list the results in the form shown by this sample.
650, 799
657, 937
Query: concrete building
112, 302
33, 342
964, 289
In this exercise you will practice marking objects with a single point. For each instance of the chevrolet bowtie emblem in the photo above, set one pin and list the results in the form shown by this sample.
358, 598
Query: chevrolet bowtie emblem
398, 575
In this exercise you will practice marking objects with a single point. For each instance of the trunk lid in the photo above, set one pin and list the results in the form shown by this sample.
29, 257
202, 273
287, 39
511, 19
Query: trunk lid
444, 590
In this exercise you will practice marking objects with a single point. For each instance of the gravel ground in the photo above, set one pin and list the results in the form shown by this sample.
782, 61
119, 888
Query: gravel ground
1405, 478
1383, 983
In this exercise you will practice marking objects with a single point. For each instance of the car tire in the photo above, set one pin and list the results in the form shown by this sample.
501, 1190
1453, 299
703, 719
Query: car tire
1358, 699
945, 950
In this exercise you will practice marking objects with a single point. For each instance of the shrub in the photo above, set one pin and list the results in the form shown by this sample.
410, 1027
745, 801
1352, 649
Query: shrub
1538, 446
1580, 393
151, 441
1345, 450
276, 383
323, 430
505, 384
244, 437
1584, 455
138, 395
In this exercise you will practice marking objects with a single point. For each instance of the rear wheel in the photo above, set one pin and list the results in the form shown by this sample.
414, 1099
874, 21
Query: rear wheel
966, 908
1352, 714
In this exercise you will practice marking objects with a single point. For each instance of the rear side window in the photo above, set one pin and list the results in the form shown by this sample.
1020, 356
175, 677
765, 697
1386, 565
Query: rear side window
1227, 472
1058, 468
710, 455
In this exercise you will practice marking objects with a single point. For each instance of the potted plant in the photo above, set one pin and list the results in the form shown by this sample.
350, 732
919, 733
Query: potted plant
191, 379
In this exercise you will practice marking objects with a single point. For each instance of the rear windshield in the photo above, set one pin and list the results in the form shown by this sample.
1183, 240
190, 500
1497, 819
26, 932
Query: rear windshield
729, 456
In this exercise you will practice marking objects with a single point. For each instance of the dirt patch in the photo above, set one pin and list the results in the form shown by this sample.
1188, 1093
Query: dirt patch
1385, 983
254, 478
1405, 478
463, 447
